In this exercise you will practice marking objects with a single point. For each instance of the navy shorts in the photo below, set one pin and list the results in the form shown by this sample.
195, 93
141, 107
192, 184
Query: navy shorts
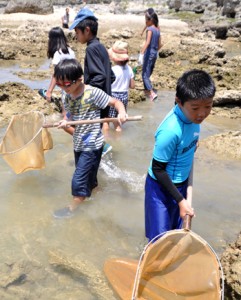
161, 210
85, 175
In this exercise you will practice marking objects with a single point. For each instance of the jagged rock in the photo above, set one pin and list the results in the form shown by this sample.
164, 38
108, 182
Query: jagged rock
225, 97
227, 144
231, 262
29, 6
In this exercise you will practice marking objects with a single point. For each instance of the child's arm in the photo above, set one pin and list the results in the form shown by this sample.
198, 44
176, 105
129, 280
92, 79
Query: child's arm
143, 30
147, 42
185, 209
159, 170
66, 117
67, 128
50, 89
160, 43
132, 83
97, 73
132, 78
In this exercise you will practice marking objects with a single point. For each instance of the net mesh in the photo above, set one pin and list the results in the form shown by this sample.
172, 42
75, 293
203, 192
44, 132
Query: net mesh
25, 141
180, 265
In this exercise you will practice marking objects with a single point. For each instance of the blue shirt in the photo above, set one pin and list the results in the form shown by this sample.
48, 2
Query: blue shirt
175, 144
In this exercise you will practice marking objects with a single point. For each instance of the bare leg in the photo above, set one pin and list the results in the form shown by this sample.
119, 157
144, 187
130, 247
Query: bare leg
105, 126
117, 126
76, 202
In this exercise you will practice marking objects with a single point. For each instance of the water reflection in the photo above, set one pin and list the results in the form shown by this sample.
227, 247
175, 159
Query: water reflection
9, 71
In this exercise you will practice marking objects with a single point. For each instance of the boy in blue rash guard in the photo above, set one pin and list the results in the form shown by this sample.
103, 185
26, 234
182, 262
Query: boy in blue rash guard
175, 143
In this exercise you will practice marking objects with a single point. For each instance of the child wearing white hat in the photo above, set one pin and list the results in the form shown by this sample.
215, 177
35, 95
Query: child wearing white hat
124, 77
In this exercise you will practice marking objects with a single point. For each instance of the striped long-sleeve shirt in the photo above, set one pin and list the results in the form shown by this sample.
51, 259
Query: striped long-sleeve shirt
87, 106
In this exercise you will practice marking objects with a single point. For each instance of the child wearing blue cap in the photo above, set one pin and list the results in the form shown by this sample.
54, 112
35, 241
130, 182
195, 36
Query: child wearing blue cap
97, 66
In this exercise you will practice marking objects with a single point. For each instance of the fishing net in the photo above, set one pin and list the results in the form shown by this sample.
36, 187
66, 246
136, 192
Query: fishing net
25, 141
179, 265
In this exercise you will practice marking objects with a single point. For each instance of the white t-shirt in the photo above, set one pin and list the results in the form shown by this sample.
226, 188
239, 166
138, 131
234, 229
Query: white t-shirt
123, 76
59, 55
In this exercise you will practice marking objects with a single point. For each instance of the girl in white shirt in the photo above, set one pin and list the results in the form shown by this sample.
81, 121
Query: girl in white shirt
124, 77
58, 49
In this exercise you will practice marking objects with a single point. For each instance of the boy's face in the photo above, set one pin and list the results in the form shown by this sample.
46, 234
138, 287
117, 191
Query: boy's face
196, 110
82, 37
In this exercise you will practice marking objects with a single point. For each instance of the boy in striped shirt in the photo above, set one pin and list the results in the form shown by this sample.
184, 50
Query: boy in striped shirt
83, 102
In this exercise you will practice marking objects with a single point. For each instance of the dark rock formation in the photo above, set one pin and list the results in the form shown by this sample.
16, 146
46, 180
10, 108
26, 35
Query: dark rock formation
29, 6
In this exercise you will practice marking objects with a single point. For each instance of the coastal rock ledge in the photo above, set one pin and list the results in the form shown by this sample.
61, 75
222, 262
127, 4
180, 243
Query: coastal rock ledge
231, 262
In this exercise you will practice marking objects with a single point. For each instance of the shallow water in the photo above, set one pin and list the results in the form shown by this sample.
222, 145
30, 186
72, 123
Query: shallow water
9, 70
111, 223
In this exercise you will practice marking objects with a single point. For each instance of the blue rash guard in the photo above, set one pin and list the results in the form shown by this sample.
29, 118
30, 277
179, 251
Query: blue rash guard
175, 144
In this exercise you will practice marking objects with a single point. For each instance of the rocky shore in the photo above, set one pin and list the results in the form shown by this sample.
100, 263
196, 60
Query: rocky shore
190, 40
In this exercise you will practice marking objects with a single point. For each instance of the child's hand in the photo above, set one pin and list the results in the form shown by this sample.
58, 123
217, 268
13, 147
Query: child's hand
140, 59
122, 118
62, 124
185, 209
48, 96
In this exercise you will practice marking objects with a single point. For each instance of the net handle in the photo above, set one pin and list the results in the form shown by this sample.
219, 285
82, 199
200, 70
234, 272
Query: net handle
80, 122
187, 222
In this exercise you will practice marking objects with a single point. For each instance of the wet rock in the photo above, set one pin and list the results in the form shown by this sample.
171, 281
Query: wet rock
7, 54
95, 279
12, 274
163, 53
221, 32
18, 98
229, 8
231, 262
189, 5
226, 144
225, 97
136, 96
125, 33
30, 6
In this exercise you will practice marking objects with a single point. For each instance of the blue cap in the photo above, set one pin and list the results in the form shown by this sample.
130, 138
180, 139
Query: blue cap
83, 14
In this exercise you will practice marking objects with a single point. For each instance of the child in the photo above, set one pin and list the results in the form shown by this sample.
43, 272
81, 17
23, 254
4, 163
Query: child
149, 52
58, 49
124, 77
65, 18
175, 143
83, 102
97, 66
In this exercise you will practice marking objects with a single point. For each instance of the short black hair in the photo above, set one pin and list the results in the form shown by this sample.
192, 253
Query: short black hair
195, 84
68, 69
92, 24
